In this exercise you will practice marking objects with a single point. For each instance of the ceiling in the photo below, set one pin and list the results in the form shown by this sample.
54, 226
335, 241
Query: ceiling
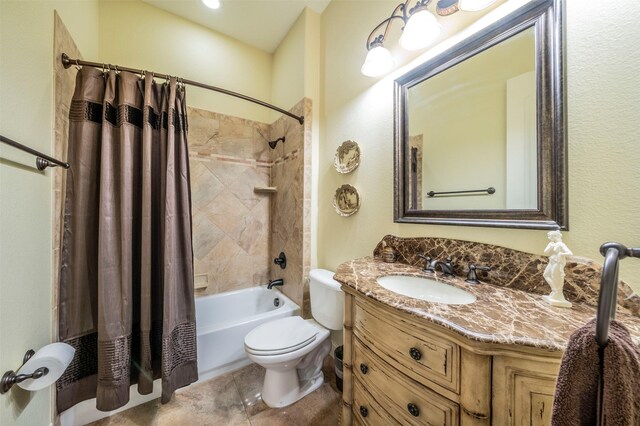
259, 23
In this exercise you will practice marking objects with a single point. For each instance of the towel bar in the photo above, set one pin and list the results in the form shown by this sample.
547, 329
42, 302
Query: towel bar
608, 298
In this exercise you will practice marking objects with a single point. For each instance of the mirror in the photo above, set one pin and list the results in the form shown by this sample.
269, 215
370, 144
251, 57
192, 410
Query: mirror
480, 129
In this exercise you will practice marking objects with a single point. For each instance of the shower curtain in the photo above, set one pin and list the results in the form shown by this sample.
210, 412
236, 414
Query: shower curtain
126, 299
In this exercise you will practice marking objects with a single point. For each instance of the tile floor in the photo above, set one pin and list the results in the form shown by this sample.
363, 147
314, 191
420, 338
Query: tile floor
234, 399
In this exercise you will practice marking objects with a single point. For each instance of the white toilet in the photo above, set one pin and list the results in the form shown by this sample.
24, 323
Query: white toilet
292, 349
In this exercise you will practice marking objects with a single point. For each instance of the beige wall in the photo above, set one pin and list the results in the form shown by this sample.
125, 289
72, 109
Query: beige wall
138, 35
26, 112
288, 69
602, 126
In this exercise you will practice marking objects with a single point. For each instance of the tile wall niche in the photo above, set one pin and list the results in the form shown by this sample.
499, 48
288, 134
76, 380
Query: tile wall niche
236, 232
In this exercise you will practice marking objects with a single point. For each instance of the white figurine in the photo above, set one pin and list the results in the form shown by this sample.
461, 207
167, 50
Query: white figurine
554, 273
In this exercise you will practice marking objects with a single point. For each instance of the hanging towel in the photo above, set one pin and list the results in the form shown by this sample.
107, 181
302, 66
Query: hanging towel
576, 397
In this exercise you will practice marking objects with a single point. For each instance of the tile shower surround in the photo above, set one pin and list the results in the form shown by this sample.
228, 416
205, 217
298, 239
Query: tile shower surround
291, 205
237, 232
228, 158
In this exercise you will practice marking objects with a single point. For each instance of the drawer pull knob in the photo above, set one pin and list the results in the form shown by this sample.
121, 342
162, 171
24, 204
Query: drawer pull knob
415, 354
364, 368
363, 411
413, 409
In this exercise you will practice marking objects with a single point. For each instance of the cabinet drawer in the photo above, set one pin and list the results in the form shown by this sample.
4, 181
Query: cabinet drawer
406, 400
366, 411
421, 356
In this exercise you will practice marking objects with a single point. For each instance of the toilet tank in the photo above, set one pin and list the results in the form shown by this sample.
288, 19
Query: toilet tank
327, 300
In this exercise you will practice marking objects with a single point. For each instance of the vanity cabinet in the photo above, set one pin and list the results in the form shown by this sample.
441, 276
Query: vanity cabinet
404, 369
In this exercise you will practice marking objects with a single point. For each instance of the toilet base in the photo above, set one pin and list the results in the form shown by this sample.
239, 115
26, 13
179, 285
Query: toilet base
286, 384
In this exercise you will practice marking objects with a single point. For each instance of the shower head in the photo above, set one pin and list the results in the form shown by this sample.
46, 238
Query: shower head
272, 144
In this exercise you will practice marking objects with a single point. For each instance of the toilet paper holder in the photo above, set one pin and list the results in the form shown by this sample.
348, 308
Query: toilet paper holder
10, 377
40, 369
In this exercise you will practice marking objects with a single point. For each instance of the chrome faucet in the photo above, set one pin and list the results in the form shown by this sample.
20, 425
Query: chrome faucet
430, 265
275, 283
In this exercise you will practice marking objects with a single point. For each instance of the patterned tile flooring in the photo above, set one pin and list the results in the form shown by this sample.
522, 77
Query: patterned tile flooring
234, 400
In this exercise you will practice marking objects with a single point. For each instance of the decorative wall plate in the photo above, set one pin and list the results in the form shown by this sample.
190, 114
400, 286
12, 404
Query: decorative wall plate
347, 157
347, 200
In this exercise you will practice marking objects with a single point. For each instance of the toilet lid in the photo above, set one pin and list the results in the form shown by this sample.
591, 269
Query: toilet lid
281, 335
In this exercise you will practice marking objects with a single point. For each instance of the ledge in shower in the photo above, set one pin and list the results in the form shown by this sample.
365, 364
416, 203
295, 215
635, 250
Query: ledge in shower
265, 190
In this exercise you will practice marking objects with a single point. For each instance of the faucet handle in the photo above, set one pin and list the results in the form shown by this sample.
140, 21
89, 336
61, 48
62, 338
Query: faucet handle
428, 266
472, 276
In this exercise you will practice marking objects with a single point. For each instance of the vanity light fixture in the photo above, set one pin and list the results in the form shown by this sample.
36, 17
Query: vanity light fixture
378, 60
212, 4
421, 28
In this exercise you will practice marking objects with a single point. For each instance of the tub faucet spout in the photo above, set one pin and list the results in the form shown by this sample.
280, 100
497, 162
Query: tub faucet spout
274, 283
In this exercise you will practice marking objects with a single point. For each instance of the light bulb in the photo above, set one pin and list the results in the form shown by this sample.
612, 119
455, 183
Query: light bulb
474, 5
377, 62
420, 31
212, 4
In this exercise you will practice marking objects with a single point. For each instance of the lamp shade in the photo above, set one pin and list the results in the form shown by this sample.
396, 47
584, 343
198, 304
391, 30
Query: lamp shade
420, 31
474, 5
377, 62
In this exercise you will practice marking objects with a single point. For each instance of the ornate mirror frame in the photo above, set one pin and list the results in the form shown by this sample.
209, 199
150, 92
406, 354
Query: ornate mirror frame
546, 16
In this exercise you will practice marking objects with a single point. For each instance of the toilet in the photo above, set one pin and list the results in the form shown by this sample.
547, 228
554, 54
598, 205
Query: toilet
292, 349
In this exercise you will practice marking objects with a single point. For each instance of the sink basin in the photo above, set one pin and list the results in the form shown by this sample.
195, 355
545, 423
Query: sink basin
426, 289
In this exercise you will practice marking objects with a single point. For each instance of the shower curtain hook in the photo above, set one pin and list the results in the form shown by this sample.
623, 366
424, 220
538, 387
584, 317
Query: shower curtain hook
78, 67
143, 73
115, 67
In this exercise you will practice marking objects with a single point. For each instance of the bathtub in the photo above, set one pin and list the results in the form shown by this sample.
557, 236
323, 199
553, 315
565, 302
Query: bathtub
222, 322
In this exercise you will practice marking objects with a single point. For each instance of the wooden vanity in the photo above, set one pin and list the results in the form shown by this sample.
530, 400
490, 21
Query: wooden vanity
399, 369
491, 362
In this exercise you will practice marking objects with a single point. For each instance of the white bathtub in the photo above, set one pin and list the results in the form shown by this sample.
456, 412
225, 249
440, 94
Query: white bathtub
222, 322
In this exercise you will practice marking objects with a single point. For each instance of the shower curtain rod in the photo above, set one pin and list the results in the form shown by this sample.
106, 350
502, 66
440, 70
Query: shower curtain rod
67, 62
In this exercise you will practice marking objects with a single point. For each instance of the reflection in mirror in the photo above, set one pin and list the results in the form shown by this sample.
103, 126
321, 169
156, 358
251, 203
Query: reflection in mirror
472, 132
480, 128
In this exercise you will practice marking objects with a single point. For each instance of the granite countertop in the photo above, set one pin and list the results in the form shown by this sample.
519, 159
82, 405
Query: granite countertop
500, 315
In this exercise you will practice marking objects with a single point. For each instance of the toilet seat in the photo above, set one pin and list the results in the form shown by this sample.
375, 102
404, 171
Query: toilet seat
280, 336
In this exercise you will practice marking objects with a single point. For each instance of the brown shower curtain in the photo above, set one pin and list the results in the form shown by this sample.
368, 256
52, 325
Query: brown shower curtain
126, 279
